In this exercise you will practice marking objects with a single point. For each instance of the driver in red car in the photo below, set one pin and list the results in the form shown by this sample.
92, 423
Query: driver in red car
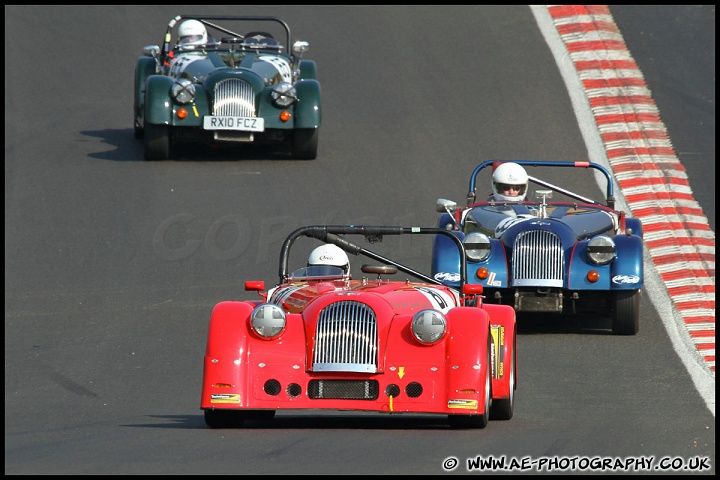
330, 255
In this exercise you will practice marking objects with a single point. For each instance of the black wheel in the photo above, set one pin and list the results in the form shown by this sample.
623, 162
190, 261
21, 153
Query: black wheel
305, 143
139, 132
476, 421
626, 314
503, 408
157, 142
224, 418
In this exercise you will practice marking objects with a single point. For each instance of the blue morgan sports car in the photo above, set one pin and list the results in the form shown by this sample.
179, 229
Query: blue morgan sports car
572, 257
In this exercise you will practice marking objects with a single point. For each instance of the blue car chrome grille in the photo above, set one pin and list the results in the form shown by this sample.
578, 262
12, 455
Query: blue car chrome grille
346, 339
234, 97
537, 260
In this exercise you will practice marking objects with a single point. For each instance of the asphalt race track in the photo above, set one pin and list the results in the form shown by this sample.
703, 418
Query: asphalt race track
113, 263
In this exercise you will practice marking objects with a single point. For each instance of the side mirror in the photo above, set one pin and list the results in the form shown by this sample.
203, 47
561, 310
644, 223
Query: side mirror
256, 286
151, 51
442, 205
300, 47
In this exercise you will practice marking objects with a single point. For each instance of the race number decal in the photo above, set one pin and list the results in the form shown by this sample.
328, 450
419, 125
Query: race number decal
279, 297
439, 299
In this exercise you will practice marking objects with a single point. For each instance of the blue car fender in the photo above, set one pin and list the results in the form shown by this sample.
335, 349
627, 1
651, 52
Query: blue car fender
627, 268
446, 259
579, 267
635, 225
497, 267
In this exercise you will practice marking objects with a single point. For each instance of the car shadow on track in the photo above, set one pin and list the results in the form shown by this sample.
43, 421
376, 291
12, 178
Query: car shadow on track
130, 149
314, 420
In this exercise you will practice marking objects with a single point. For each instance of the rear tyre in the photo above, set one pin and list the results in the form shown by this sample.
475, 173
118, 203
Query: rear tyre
626, 314
157, 142
305, 143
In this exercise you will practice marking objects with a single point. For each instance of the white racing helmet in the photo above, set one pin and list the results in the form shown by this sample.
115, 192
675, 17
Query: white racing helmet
192, 32
509, 174
329, 254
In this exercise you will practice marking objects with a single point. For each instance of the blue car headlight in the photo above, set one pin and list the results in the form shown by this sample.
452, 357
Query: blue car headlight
183, 91
428, 326
283, 95
268, 320
601, 250
477, 246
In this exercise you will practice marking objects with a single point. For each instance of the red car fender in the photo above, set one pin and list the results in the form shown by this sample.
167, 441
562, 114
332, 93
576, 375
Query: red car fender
232, 346
224, 354
467, 342
228, 317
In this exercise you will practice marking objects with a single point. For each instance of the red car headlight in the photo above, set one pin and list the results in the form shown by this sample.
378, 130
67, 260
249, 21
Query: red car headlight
428, 326
268, 320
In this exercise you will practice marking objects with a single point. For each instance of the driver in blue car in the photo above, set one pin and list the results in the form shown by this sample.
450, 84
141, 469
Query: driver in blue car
509, 183
509, 186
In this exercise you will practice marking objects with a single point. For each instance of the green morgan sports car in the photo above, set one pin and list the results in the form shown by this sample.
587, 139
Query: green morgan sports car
208, 84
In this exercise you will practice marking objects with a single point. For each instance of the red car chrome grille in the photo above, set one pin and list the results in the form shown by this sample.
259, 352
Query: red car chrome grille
346, 339
537, 260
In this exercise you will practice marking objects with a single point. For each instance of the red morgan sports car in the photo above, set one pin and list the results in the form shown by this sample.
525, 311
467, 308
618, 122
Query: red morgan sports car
323, 340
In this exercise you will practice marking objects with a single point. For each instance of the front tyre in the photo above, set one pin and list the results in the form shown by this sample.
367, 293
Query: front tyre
224, 418
305, 143
503, 408
157, 142
626, 314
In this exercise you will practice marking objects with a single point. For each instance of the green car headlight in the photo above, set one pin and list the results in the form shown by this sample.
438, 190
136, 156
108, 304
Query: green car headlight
283, 95
183, 91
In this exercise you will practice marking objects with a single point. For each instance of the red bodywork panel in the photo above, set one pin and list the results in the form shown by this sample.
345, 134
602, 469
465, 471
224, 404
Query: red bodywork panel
245, 371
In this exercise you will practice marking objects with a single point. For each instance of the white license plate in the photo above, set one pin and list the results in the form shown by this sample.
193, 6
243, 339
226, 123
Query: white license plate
245, 124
